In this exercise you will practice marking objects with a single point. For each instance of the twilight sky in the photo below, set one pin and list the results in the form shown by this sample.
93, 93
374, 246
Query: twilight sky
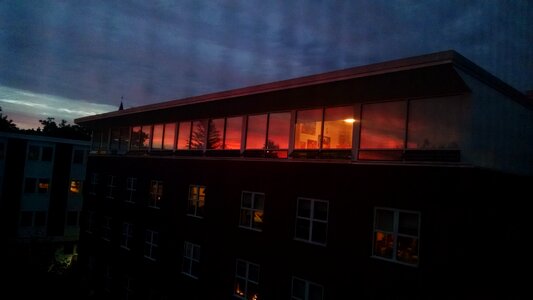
68, 59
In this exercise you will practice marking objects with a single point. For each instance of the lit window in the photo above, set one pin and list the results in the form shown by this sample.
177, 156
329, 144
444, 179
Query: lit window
43, 186
127, 236
156, 192
169, 136
329, 128
151, 244
252, 210
396, 235
308, 128
157, 138
311, 221
184, 135
196, 201
191, 260
111, 186
256, 132
131, 189
144, 139
246, 280
233, 133
75, 186
306, 290
107, 229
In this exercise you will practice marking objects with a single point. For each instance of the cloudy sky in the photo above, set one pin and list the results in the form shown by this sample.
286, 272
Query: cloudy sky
67, 59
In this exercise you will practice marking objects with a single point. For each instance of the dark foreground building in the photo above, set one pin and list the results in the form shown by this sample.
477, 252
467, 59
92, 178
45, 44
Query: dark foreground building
398, 180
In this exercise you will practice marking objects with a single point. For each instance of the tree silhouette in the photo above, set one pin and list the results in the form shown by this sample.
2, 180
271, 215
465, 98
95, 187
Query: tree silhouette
6, 124
271, 145
214, 139
198, 136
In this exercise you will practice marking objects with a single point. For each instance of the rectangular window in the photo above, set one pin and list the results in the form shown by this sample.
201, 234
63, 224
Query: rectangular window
169, 136
184, 136
191, 260
256, 132
26, 219
198, 135
131, 189
75, 186
127, 236
156, 193
33, 152
72, 218
124, 139
338, 128
233, 133
29, 185
43, 186
107, 228
246, 280
269, 132
252, 205
136, 134
396, 235
40, 219
311, 221
111, 186
306, 290
78, 156
94, 183
151, 244
308, 129
146, 133
279, 127
91, 222
195, 206
215, 137
157, 139
47, 154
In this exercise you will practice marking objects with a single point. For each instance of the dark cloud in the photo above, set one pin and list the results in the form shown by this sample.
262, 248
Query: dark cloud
151, 51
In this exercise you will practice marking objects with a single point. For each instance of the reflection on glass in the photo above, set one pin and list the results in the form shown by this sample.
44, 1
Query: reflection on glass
198, 135
407, 249
338, 128
216, 131
157, 139
383, 125
145, 136
232, 139
308, 127
135, 137
383, 244
256, 133
184, 135
436, 123
279, 126
170, 135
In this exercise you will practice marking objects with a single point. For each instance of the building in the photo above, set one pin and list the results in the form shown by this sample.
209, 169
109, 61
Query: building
40, 196
395, 180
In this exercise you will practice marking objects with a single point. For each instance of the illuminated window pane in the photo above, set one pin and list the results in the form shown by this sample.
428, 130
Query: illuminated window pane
251, 215
256, 132
307, 130
136, 137
383, 125
184, 135
338, 128
198, 135
233, 136
157, 139
216, 134
170, 136
43, 185
75, 186
196, 203
436, 123
279, 127
246, 284
145, 136
383, 244
407, 250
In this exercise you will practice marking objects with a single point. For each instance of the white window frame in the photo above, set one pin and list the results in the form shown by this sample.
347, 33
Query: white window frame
395, 235
128, 287
195, 202
189, 260
150, 241
131, 189
312, 220
307, 285
107, 229
155, 197
127, 235
246, 279
111, 186
252, 210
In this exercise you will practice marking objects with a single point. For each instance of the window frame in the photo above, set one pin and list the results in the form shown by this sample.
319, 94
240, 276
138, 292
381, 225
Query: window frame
252, 211
188, 261
127, 235
131, 189
107, 228
151, 244
246, 279
155, 197
307, 285
111, 186
195, 202
312, 220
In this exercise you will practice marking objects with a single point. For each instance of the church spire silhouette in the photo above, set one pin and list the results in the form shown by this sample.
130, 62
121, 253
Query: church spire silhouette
121, 107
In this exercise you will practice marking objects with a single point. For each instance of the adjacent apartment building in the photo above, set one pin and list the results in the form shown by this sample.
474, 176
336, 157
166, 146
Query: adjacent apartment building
403, 179
41, 196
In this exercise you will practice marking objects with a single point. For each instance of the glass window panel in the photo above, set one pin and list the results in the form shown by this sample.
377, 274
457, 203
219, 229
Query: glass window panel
43, 185
256, 132
257, 221
321, 210
184, 135
383, 244
302, 229
240, 287
233, 133
259, 201
145, 136
188, 249
195, 269
383, 125
196, 252
157, 139
315, 292
407, 250
279, 127
96, 140
307, 129
198, 135
246, 216
408, 223
247, 200
124, 139
253, 272
136, 137
338, 128
320, 232
298, 288
384, 220
252, 291
170, 136
216, 131
436, 123
304, 208
47, 154
241, 268
115, 139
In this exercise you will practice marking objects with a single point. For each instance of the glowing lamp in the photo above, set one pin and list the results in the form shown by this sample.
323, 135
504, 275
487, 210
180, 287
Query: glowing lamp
351, 120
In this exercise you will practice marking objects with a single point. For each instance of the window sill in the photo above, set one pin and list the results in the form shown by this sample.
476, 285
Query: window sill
394, 261
189, 275
311, 242
250, 228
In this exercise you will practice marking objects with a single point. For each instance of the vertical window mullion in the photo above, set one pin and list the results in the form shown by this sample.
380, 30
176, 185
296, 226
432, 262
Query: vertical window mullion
395, 225
312, 211
322, 129
267, 131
